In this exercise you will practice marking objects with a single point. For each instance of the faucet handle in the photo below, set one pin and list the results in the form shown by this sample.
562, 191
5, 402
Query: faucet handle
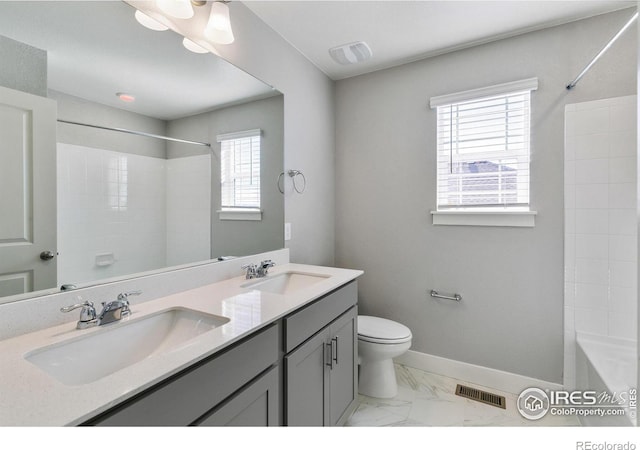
87, 313
267, 263
123, 300
252, 270
124, 295
87, 308
263, 268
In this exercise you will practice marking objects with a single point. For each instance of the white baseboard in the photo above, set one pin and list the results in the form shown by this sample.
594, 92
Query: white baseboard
483, 376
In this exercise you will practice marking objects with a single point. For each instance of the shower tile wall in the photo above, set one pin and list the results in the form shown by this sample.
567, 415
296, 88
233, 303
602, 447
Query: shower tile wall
111, 213
600, 222
188, 209
115, 208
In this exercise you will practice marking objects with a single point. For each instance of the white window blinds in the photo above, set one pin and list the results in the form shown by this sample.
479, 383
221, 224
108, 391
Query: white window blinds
240, 170
483, 147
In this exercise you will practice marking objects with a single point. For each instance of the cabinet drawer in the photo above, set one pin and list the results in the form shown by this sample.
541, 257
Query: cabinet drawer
303, 324
183, 399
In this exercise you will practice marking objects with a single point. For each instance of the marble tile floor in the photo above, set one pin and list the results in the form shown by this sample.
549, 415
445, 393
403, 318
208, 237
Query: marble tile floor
427, 399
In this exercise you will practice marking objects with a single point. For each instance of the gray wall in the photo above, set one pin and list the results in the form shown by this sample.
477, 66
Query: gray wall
240, 238
84, 111
309, 131
24, 68
511, 279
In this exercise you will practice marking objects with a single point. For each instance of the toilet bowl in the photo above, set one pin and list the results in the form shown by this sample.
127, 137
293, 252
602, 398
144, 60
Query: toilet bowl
379, 341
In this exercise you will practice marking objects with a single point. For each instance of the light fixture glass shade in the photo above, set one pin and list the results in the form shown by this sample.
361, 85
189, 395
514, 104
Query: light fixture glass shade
192, 46
218, 28
180, 9
148, 22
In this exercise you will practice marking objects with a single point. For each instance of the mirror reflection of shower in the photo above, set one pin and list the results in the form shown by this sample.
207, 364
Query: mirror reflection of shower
121, 213
179, 94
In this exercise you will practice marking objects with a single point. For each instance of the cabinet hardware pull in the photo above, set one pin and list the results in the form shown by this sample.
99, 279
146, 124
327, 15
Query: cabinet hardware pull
329, 345
335, 340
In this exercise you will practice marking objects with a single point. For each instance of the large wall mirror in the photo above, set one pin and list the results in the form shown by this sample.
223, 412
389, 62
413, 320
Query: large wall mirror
130, 202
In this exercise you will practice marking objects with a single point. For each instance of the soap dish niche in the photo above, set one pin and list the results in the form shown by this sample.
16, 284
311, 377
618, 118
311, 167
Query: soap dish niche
105, 259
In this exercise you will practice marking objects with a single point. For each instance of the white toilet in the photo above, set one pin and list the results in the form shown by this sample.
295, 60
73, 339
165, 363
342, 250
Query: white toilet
379, 341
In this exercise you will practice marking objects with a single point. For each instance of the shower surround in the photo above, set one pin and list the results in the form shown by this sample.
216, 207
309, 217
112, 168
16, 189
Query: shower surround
121, 213
600, 266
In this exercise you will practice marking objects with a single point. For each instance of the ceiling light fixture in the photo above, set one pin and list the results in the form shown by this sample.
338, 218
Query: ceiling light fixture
192, 46
180, 9
218, 27
149, 23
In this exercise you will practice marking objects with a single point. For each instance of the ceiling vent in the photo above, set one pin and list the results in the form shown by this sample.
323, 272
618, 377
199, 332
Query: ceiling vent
352, 53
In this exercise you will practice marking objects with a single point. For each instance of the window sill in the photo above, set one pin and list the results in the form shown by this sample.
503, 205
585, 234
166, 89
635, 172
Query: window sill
485, 218
240, 214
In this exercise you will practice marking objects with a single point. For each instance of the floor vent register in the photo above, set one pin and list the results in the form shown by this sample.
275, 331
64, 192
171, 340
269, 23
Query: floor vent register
481, 396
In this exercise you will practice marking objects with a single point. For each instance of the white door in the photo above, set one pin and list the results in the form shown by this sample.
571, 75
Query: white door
27, 192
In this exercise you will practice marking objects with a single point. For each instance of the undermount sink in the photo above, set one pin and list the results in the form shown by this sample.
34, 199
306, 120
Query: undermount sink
90, 358
285, 283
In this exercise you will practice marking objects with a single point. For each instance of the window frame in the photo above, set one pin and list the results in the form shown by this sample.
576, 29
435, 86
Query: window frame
239, 212
516, 215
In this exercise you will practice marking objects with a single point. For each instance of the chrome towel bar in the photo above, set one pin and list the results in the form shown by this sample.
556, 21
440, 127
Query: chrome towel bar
455, 297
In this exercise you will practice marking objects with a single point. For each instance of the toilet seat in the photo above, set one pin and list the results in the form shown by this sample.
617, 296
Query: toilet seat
382, 331
383, 341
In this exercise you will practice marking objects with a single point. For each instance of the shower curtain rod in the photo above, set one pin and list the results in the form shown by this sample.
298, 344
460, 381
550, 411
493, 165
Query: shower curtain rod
137, 133
602, 52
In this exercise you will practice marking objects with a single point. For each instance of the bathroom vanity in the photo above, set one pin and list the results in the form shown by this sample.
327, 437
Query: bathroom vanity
279, 350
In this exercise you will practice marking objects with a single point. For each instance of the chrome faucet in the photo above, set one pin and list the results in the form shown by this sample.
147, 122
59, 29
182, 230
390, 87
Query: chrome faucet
263, 267
87, 314
111, 312
252, 271
258, 270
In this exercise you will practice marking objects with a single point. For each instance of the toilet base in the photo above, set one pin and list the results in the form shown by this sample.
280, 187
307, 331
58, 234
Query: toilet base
377, 379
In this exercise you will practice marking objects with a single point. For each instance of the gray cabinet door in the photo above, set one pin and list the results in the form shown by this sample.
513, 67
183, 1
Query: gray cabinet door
321, 375
343, 381
307, 383
257, 405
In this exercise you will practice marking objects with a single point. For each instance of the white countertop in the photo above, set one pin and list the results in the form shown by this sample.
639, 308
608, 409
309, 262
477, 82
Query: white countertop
29, 396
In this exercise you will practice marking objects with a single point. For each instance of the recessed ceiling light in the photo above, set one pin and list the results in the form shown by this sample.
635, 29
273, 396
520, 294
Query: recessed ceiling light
148, 22
126, 97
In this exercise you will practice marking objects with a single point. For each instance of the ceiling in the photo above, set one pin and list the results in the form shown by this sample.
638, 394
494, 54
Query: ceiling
403, 31
91, 53
96, 49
